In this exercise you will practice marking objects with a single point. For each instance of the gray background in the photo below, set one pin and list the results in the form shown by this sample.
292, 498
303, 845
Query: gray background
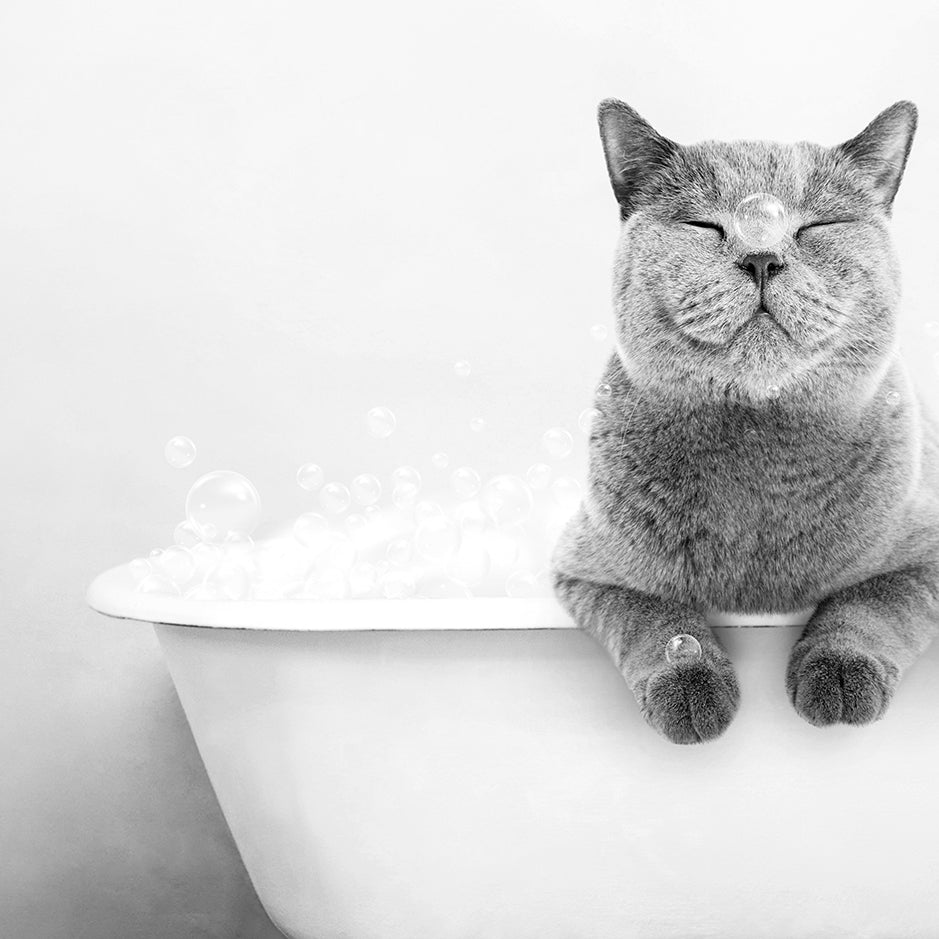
250, 222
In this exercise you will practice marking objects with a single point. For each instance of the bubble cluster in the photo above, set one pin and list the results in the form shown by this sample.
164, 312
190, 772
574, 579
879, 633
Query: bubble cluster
761, 220
482, 536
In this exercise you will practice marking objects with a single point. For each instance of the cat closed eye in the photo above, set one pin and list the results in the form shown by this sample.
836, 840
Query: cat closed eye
824, 224
712, 225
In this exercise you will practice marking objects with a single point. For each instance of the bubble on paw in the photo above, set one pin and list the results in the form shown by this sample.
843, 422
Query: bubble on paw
682, 648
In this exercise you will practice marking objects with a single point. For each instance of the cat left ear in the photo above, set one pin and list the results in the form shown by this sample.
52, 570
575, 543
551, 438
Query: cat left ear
881, 149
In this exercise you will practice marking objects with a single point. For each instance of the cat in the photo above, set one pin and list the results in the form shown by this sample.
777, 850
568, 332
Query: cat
760, 446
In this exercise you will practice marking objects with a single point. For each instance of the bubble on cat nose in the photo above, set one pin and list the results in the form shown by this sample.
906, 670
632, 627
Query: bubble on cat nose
682, 648
761, 220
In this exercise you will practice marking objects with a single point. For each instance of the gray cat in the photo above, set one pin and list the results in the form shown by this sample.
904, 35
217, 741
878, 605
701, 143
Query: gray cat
760, 446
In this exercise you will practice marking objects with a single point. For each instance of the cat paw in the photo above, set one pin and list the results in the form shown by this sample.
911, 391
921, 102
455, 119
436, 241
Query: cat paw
831, 685
690, 702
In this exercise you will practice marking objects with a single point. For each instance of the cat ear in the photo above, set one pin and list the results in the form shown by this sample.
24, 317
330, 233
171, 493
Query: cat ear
633, 148
881, 149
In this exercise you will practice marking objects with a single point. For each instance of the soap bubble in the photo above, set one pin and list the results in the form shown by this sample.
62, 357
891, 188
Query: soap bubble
506, 500
209, 533
892, 397
229, 582
773, 391
238, 542
437, 538
586, 419
158, 584
398, 585
761, 220
682, 648
598, 332
155, 553
440, 460
557, 442
311, 529
462, 368
521, 584
538, 476
310, 477
604, 389
327, 584
179, 452
139, 569
177, 564
466, 482
438, 587
406, 476
186, 534
399, 550
225, 500
335, 498
478, 425
366, 488
381, 422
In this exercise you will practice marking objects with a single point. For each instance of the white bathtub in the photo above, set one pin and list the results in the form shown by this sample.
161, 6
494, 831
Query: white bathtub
477, 769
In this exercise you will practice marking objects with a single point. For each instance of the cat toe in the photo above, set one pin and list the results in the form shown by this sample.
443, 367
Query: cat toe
691, 702
830, 686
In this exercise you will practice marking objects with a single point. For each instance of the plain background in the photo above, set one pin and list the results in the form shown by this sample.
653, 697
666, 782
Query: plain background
249, 222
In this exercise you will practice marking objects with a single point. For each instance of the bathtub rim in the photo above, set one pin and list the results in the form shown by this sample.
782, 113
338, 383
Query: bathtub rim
113, 593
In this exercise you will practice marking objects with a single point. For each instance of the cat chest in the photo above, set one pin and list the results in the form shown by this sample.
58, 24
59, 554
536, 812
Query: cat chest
777, 523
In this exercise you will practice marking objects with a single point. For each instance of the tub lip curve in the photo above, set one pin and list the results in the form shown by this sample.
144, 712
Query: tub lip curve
113, 594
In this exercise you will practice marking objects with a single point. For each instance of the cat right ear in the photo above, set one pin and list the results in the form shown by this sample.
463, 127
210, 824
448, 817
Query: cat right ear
633, 148
881, 149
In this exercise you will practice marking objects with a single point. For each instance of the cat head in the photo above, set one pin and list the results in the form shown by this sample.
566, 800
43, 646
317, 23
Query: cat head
699, 310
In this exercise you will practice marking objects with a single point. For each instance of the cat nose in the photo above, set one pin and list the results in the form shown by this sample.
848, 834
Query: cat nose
761, 266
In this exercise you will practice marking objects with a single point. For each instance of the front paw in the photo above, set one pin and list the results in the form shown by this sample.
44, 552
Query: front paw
690, 702
831, 685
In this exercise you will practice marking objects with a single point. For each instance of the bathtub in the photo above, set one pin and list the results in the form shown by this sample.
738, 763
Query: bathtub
477, 769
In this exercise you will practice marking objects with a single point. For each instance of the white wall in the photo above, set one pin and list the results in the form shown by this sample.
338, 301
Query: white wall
250, 221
